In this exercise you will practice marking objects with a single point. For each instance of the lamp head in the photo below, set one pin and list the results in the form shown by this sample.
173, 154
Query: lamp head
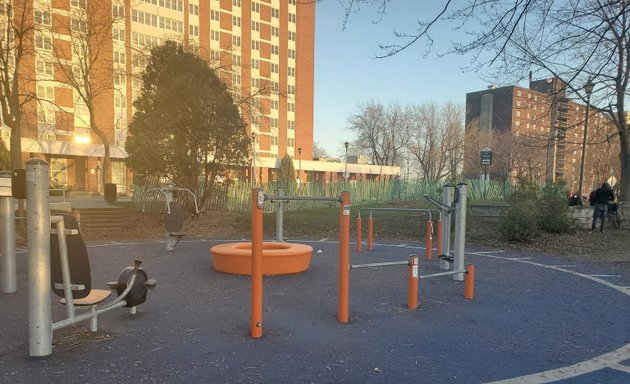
588, 87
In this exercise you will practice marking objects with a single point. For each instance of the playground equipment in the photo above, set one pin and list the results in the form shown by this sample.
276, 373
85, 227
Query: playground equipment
258, 200
175, 211
278, 258
370, 228
414, 275
67, 271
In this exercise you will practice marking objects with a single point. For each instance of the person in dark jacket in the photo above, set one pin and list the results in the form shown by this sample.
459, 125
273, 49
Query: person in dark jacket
603, 195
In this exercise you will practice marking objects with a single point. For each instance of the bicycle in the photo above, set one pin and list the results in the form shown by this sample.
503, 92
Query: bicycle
617, 216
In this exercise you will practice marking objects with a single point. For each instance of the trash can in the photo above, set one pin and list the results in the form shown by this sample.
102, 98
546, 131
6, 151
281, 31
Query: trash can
110, 192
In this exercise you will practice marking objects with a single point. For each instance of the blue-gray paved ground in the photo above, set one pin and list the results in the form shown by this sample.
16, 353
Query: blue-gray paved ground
194, 327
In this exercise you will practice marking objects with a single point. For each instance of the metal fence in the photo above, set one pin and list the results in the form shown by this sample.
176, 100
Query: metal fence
236, 196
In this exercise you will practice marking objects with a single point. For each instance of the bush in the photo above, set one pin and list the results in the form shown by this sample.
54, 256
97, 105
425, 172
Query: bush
554, 210
522, 218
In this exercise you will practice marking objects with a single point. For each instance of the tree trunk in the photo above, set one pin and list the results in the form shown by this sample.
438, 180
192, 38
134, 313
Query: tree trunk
624, 182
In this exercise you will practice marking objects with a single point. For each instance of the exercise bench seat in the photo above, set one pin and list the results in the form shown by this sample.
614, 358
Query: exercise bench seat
95, 296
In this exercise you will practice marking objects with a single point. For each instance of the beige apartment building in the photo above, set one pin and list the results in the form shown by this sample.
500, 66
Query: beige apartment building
263, 50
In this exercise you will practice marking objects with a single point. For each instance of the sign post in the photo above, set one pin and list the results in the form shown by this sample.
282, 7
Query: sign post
486, 159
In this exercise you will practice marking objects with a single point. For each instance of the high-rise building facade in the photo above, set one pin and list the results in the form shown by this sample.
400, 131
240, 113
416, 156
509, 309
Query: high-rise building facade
537, 132
263, 50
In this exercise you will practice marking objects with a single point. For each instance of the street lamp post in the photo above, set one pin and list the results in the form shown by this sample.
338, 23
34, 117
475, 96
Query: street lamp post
345, 172
299, 165
588, 88
253, 158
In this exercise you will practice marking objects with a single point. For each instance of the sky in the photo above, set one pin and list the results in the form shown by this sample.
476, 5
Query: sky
347, 74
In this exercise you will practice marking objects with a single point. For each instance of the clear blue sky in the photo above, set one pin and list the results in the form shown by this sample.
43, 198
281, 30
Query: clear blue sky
347, 74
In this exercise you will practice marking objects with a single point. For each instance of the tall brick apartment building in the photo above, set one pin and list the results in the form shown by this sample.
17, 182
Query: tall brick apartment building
537, 132
263, 50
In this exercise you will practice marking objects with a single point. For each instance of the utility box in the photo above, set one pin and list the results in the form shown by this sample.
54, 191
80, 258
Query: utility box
5, 184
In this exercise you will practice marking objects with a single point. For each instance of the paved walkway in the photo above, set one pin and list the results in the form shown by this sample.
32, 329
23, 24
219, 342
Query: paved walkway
535, 319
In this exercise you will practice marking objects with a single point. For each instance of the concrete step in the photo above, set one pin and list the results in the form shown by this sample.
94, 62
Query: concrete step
102, 219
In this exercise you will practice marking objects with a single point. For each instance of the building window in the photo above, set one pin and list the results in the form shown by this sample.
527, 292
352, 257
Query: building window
275, 50
118, 34
236, 3
236, 60
119, 79
274, 140
118, 11
292, 2
78, 3
256, 45
44, 67
236, 79
290, 107
59, 171
255, 26
290, 125
275, 31
275, 68
119, 57
43, 42
42, 18
120, 101
236, 41
236, 21
193, 30
255, 64
273, 122
255, 7
193, 9
215, 15
291, 71
291, 35
274, 104
275, 12
79, 26
291, 17
291, 53
290, 142
214, 35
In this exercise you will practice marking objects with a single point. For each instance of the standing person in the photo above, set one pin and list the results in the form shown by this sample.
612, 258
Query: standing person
603, 195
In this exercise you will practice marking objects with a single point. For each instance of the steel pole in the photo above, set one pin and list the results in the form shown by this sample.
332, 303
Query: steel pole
9, 268
38, 231
460, 230
447, 199
280, 216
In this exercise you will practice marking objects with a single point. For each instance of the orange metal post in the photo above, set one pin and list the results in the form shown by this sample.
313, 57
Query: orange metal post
257, 276
429, 240
370, 232
359, 233
469, 282
412, 292
439, 237
344, 256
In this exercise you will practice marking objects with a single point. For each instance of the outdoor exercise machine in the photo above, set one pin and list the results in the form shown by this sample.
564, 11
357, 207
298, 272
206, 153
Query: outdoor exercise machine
258, 201
58, 259
370, 228
175, 211
414, 275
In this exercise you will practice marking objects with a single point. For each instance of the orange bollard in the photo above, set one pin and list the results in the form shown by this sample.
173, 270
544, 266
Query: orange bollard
257, 275
370, 232
469, 282
412, 291
344, 256
439, 237
359, 233
429, 240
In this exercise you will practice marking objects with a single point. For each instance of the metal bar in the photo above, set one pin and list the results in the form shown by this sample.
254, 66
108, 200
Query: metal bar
383, 264
256, 329
344, 258
65, 264
38, 232
438, 203
447, 198
280, 216
442, 274
398, 209
298, 198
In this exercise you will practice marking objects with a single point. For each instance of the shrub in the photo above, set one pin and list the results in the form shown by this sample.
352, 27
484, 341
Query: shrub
554, 210
522, 218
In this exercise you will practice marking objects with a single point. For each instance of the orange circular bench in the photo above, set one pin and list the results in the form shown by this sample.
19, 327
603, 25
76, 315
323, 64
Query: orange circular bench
278, 258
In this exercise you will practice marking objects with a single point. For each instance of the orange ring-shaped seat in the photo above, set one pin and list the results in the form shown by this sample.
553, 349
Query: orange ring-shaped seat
278, 258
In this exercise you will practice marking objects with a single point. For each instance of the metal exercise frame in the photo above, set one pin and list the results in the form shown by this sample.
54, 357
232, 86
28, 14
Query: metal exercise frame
8, 260
414, 275
370, 228
258, 200
169, 192
39, 222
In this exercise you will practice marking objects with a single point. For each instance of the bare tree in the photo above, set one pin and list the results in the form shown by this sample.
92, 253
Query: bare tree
16, 28
574, 40
437, 142
319, 151
382, 131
